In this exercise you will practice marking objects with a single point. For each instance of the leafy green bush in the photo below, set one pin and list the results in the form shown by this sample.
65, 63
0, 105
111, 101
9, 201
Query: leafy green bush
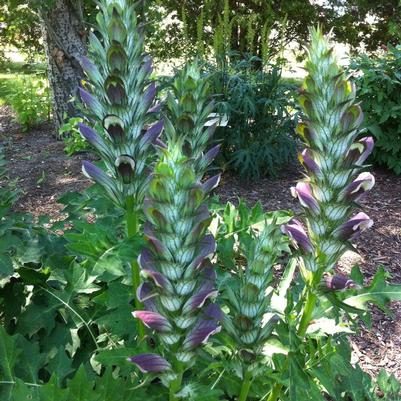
74, 142
258, 139
379, 90
28, 96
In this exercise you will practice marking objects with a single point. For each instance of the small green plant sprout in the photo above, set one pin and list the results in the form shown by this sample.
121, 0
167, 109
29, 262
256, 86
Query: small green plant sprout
42, 179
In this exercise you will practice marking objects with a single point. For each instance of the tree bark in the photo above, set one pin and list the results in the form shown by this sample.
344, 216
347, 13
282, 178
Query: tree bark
64, 38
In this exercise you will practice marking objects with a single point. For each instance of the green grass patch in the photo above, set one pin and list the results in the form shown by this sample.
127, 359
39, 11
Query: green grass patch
19, 67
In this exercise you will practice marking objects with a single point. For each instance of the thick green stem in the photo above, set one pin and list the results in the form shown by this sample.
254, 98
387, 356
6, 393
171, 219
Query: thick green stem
132, 219
246, 385
303, 326
307, 315
175, 387
132, 229
275, 392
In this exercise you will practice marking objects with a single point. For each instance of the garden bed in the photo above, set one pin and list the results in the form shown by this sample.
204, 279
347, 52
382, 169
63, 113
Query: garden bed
45, 172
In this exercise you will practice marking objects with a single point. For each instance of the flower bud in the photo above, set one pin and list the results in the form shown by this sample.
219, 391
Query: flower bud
298, 235
353, 227
303, 191
150, 363
339, 282
117, 30
114, 126
91, 102
306, 158
359, 152
357, 189
117, 58
115, 90
125, 166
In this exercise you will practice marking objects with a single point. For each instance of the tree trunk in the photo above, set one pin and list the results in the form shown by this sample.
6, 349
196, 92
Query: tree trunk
64, 38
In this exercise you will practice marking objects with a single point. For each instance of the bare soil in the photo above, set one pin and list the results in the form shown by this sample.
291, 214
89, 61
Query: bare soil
45, 172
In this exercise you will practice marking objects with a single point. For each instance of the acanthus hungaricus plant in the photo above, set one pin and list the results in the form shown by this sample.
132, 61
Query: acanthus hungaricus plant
120, 102
120, 106
176, 262
222, 325
335, 181
179, 284
248, 323
335, 178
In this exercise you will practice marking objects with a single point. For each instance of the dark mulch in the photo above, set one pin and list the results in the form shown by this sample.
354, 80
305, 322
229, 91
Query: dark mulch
45, 172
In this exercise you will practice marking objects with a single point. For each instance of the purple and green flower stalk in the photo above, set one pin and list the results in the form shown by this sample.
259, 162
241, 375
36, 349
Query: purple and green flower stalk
246, 321
119, 102
335, 179
119, 98
179, 277
189, 107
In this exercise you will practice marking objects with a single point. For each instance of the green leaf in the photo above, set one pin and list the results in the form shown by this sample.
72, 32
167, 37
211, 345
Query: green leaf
301, 386
9, 353
114, 262
52, 392
6, 266
20, 391
116, 295
378, 292
325, 326
116, 357
38, 316
341, 379
81, 389
357, 275
30, 360
389, 386
31, 252
111, 389
199, 392
279, 298
119, 322
60, 364
79, 280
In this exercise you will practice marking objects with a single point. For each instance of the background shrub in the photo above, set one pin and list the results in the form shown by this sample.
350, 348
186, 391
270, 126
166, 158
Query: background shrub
28, 95
258, 139
74, 142
379, 89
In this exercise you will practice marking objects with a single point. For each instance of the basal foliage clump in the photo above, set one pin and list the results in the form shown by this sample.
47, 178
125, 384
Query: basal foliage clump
155, 292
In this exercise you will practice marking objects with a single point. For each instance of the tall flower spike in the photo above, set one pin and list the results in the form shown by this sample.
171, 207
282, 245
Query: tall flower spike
188, 110
249, 304
180, 279
333, 160
118, 99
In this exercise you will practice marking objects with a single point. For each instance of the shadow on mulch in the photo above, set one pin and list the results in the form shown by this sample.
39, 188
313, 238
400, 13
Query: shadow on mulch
45, 172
